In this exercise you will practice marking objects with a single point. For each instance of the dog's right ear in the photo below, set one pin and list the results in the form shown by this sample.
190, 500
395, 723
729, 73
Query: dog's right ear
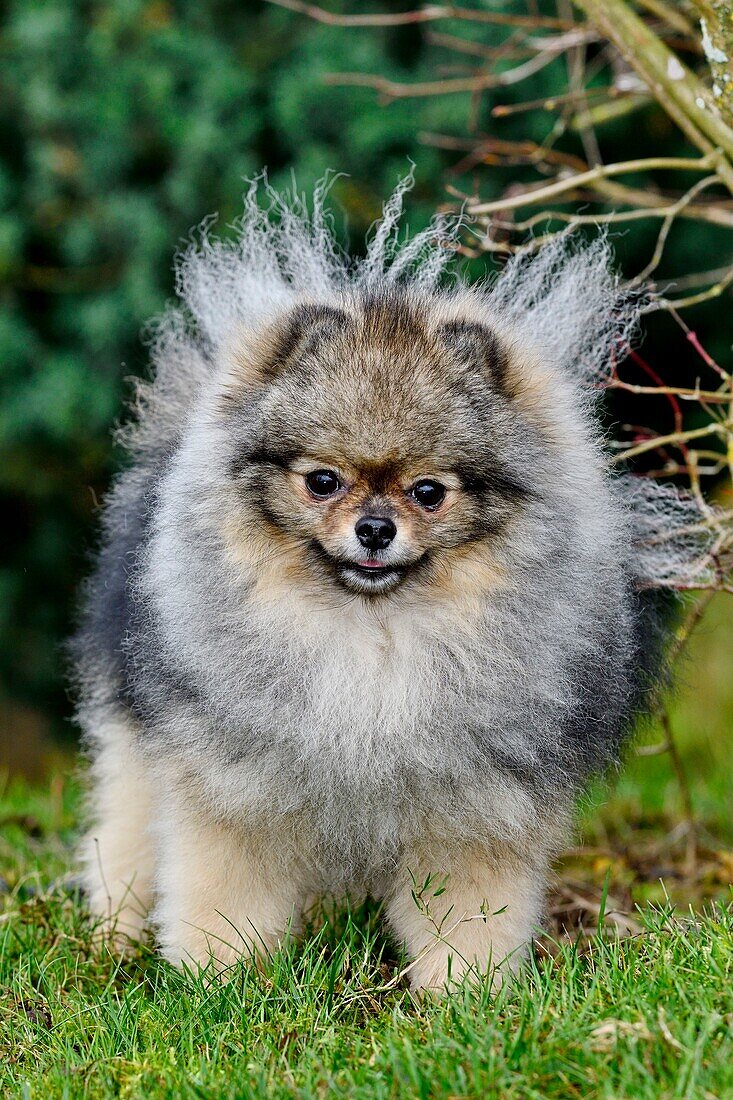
477, 346
259, 357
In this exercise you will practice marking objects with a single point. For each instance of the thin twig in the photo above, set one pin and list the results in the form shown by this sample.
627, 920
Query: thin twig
672, 212
695, 279
550, 103
505, 51
696, 212
428, 14
695, 299
714, 396
685, 792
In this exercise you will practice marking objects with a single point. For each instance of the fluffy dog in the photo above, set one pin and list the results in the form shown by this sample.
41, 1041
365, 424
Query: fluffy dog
367, 611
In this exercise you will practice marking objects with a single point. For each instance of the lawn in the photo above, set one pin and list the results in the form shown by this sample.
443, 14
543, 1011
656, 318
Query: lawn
630, 995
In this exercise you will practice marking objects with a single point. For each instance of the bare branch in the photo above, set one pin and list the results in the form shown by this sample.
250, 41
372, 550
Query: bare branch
428, 14
695, 299
669, 218
601, 171
674, 438
393, 90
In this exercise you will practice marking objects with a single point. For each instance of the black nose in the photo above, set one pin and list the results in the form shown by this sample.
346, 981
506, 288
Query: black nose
374, 532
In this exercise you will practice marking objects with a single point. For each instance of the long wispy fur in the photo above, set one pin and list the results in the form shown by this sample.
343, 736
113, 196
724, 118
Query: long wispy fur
328, 742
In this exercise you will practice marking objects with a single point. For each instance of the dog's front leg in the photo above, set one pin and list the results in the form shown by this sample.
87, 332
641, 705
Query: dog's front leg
476, 910
223, 892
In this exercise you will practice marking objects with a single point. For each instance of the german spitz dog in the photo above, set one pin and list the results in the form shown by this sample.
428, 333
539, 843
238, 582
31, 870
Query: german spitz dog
368, 608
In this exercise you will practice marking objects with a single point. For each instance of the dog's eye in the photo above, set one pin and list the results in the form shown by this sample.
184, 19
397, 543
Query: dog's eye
428, 494
322, 483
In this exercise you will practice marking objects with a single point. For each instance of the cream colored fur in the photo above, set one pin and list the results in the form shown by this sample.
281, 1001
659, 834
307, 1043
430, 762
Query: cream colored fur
216, 893
224, 892
117, 852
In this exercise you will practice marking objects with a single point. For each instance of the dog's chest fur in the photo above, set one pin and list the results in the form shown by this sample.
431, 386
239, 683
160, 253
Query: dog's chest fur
357, 734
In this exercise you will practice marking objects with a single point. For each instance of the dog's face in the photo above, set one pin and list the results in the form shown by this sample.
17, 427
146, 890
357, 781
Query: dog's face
378, 447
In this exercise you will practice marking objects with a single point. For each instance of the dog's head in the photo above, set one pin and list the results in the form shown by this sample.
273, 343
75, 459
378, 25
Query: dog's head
375, 446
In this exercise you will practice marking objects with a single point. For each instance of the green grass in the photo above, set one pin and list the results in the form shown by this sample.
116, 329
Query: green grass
593, 1015
645, 1017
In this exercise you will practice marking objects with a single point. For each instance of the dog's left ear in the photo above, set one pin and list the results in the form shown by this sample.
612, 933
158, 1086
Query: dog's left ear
476, 345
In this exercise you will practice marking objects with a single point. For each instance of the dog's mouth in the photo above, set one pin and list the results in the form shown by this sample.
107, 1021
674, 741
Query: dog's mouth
368, 576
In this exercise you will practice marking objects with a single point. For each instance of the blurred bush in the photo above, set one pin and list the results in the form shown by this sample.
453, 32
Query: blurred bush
122, 124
